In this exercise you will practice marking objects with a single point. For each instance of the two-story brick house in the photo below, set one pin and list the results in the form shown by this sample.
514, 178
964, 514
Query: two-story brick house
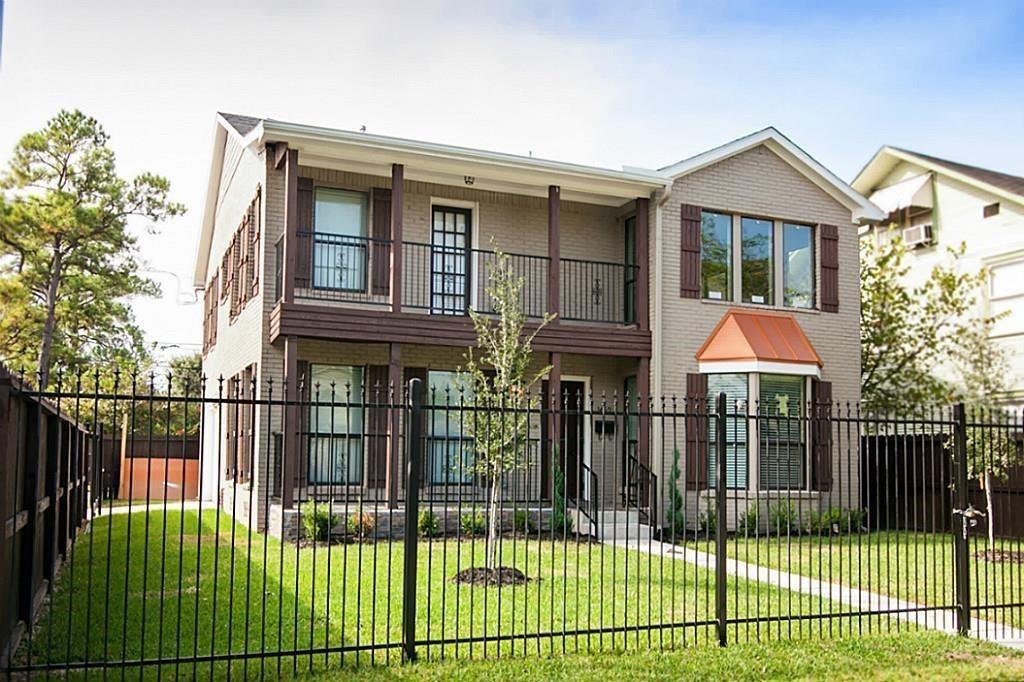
336, 258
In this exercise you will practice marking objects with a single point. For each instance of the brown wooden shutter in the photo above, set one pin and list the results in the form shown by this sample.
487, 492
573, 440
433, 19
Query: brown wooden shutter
376, 436
689, 241
255, 229
696, 432
304, 236
244, 284
821, 435
829, 268
380, 246
304, 393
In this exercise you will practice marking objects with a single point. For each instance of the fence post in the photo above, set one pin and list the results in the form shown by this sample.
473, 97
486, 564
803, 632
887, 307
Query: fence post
960, 521
414, 453
720, 525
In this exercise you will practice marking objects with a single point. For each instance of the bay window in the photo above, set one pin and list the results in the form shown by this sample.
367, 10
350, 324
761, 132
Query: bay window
735, 388
783, 432
336, 425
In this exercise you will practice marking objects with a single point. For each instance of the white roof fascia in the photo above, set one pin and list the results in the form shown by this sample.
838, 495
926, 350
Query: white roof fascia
860, 207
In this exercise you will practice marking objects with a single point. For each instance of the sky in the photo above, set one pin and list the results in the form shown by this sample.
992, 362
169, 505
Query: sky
620, 83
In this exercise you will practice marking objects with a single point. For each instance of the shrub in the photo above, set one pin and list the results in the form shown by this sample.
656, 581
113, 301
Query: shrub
835, 521
675, 516
708, 519
317, 520
522, 523
749, 521
782, 518
360, 524
561, 522
473, 523
427, 524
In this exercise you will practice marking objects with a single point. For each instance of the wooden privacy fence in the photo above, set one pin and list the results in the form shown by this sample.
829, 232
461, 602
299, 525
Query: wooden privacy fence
153, 467
45, 501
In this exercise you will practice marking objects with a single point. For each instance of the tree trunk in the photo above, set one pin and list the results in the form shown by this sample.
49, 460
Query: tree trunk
991, 512
46, 343
493, 524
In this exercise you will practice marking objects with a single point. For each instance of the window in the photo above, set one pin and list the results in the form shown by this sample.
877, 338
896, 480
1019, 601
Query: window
716, 256
990, 210
756, 265
339, 240
783, 427
336, 425
797, 266
735, 388
449, 452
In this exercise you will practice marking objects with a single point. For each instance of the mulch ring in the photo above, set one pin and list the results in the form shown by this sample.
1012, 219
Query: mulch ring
1001, 556
503, 575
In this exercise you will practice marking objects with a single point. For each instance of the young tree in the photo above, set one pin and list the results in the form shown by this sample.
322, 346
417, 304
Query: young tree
909, 332
983, 369
501, 383
68, 259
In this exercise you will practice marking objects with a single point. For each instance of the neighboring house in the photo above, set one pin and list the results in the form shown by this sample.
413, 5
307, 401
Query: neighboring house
335, 256
938, 204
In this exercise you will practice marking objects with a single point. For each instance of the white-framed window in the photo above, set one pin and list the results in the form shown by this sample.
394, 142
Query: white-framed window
1006, 297
767, 429
449, 450
336, 425
761, 261
340, 254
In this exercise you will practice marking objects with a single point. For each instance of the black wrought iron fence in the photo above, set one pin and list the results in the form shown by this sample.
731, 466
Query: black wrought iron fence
357, 526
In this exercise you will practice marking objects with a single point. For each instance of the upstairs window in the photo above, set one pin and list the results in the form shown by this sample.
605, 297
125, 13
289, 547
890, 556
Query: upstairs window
756, 267
797, 266
716, 256
991, 210
339, 240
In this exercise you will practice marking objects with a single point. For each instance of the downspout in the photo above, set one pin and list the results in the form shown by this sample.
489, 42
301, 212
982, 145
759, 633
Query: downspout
657, 322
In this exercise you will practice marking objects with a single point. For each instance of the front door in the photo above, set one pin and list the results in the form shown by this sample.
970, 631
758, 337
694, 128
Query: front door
572, 437
449, 260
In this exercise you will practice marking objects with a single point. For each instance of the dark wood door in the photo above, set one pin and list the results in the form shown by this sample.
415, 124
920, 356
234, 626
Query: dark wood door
572, 436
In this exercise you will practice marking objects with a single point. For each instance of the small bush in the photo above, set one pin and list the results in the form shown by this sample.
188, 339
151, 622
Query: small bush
749, 521
317, 520
561, 522
522, 523
360, 524
675, 517
428, 524
835, 521
708, 519
473, 523
782, 518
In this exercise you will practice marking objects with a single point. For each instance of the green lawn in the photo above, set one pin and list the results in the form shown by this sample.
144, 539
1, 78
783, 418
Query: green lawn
909, 656
913, 566
115, 600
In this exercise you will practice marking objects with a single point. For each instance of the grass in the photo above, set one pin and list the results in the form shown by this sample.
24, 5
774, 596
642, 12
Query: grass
912, 566
910, 656
167, 584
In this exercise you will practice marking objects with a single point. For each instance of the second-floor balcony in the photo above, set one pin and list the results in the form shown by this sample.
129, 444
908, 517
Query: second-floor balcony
449, 279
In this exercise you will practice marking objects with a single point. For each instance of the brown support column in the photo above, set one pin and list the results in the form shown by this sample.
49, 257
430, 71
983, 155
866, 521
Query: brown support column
555, 421
393, 472
643, 390
397, 186
554, 250
291, 224
643, 311
290, 441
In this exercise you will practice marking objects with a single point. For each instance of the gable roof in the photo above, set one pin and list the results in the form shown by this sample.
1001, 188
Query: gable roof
1010, 187
860, 207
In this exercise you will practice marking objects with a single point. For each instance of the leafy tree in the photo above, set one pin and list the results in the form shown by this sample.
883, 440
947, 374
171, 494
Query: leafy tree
907, 332
68, 258
983, 370
501, 382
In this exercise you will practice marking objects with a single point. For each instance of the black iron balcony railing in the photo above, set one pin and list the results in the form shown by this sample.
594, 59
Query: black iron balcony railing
451, 280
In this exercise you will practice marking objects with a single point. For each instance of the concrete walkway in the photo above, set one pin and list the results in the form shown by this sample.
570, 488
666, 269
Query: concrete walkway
154, 506
856, 599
